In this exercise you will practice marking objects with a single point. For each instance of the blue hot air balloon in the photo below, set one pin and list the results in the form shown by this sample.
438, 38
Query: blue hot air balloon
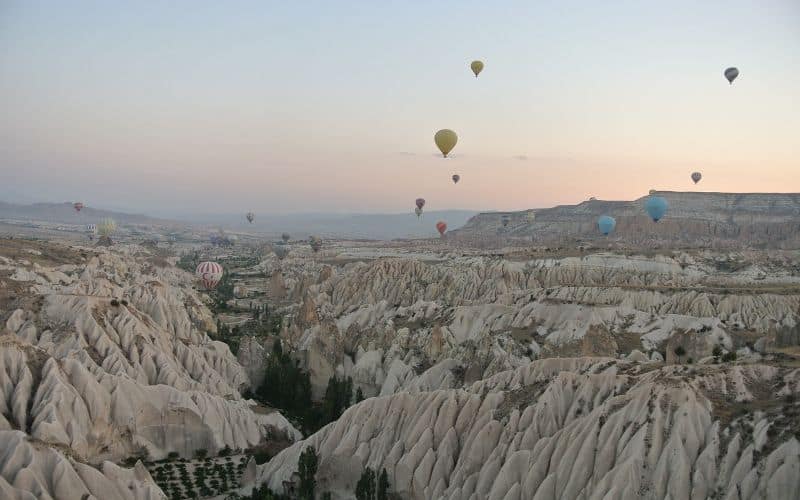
656, 207
606, 224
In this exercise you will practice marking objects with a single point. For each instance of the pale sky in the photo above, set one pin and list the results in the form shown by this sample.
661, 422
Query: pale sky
281, 106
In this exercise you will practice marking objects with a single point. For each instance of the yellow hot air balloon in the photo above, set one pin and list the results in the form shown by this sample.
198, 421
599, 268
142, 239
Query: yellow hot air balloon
445, 140
477, 67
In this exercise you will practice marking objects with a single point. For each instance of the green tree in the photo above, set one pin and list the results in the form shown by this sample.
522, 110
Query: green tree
365, 488
383, 486
307, 469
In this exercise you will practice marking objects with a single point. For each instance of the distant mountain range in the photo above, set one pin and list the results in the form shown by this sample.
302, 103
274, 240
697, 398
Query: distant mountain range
693, 219
65, 213
357, 226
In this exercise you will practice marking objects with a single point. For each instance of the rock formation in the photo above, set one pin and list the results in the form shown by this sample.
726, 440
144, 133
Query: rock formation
588, 428
104, 356
694, 219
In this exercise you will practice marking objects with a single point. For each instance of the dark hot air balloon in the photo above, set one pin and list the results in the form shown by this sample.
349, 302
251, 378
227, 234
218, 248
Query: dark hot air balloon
696, 176
281, 250
456, 178
77, 206
250, 216
731, 74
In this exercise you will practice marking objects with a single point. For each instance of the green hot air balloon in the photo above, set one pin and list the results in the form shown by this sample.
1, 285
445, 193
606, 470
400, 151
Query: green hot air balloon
476, 67
445, 140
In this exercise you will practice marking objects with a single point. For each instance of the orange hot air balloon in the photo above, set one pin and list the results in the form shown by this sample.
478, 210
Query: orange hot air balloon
441, 226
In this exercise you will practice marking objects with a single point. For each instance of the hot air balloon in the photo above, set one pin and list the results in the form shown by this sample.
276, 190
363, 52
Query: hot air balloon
315, 243
606, 224
656, 207
250, 216
106, 228
445, 140
281, 250
420, 202
441, 226
731, 74
456, 178
505, 219
696, 176
285, 237
77, 206
209, 273
477, 67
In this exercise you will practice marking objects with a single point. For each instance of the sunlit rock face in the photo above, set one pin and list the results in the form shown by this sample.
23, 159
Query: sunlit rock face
104, 355
573, 428
693, 219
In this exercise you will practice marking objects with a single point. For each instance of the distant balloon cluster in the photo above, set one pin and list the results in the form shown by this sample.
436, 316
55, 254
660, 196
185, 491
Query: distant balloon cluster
446, 140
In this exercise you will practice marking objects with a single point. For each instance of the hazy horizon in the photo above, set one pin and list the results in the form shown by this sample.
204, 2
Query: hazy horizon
317, 108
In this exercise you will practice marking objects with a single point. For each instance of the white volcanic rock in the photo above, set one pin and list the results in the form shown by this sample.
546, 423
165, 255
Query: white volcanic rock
490, 314
96, 380
31, 470
569, 428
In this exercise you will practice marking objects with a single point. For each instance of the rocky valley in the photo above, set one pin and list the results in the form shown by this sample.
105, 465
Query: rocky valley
510, 374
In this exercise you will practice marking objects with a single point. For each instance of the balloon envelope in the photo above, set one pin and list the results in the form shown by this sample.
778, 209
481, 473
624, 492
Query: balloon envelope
606, 224
656, 207
77, 206
315, 243
107, 227
476, 67
445, 140
210, 273
441, 226
281, 250
731, 74
250, 216
696, 176
456, 178
420, 203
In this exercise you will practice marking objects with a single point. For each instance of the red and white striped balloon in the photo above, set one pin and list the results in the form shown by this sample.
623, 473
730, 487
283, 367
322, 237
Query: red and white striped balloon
209, 273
